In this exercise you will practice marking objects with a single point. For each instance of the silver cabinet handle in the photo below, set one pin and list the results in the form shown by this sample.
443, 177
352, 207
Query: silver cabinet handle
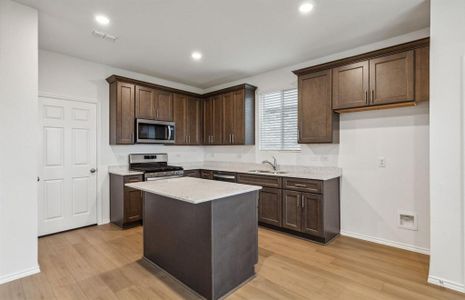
189, 139
298, 203
303, 202
224, 176
93, 170
366, 95
300, 185
232, 138
157, 113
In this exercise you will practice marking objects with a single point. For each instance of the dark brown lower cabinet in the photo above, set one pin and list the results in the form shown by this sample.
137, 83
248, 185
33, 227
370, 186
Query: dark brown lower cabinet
292, 215
132, 205
206, 174
192, 173
125, 203
270, 206
312, 214
304, 207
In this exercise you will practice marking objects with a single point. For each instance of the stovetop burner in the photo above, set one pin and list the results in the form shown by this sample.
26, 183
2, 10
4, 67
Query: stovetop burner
153, 164
154, 168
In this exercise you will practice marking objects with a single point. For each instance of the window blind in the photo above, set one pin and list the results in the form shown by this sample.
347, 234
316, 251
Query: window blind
278, 120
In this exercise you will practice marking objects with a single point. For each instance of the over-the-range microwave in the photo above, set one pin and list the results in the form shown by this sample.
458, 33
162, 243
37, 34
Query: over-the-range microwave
154, 132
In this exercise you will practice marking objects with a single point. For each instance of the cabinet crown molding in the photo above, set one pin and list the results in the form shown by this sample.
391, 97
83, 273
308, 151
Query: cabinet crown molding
364, 56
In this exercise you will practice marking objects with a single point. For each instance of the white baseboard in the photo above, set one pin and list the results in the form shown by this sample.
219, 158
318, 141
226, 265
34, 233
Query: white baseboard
18, 275
386, 242
446, 283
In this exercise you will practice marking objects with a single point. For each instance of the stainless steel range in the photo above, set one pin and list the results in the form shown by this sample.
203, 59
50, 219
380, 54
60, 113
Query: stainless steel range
154, 165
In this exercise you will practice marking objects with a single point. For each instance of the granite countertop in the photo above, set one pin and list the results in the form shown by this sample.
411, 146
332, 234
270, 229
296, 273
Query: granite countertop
193, 190
316, 173
122, 171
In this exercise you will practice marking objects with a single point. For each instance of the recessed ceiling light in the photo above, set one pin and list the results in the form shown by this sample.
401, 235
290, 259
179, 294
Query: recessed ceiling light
101, 19
196, 55
305, 8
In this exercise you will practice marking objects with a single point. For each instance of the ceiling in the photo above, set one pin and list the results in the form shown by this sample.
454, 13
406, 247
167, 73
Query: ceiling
238, 38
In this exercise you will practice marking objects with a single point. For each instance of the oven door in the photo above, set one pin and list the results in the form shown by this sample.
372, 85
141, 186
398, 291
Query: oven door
154, 132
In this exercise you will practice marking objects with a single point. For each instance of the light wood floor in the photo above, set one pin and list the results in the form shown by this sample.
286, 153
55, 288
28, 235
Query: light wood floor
103, 262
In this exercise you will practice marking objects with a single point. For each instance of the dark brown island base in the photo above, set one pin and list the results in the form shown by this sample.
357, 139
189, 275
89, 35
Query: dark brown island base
202, 232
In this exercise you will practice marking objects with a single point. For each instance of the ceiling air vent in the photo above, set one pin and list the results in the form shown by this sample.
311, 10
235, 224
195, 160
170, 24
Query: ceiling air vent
104, 36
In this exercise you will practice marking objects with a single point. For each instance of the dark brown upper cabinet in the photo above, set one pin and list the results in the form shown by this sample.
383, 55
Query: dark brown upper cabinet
236, 120
223, 117
350, 85
392, 78
386, 78
316, 121
122, 113
213, 120
187, 117
163, 104
153, 104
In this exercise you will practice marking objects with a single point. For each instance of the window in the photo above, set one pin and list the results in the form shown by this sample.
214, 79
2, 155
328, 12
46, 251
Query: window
278, 120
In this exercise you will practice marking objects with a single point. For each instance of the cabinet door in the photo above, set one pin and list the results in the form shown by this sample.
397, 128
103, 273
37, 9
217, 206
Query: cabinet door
179, 110
228, 117
392, 78
207, 121
132, 205
238, 131
217, 120
312, 220
163, 105
144, 103
193, 119
350, 85
270, 206
314, 108
292, 212
125, 113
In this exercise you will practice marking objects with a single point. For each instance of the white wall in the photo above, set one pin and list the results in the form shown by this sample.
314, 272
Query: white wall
447, 148
370, 196
72, 78
18, 140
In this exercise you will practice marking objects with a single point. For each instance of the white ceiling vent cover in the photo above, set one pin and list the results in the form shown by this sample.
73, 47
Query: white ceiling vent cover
104, 36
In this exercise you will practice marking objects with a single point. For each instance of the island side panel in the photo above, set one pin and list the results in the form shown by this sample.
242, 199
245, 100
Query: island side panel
235, 241
177, 237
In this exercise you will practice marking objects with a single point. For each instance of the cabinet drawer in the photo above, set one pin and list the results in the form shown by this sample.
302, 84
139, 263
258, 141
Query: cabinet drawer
133, 178
303, 185
206, 174
192, 173
265, 181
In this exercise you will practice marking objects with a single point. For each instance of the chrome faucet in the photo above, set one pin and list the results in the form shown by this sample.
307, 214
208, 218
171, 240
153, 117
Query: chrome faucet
273, 164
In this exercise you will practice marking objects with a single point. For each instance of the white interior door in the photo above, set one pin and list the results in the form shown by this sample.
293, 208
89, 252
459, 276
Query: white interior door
68, 180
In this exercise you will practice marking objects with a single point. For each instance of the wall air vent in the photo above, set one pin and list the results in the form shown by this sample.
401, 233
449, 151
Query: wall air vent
104, 36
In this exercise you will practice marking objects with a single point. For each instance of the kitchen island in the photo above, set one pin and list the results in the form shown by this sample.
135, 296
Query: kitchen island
202, 232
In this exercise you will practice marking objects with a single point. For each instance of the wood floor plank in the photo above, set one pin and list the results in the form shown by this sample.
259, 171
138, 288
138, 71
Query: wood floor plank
105, 262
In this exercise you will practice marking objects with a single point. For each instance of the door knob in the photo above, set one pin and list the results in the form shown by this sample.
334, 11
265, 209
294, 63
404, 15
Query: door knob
93, 170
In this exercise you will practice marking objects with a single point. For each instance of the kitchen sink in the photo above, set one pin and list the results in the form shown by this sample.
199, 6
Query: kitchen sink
268, 172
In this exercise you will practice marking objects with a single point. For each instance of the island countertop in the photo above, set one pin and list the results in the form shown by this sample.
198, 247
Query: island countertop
193, 190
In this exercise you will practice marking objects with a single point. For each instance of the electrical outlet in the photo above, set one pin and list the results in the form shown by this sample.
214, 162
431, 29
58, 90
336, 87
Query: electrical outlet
381, 162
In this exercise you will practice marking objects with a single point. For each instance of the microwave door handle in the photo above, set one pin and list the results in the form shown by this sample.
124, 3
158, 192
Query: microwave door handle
169, 132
